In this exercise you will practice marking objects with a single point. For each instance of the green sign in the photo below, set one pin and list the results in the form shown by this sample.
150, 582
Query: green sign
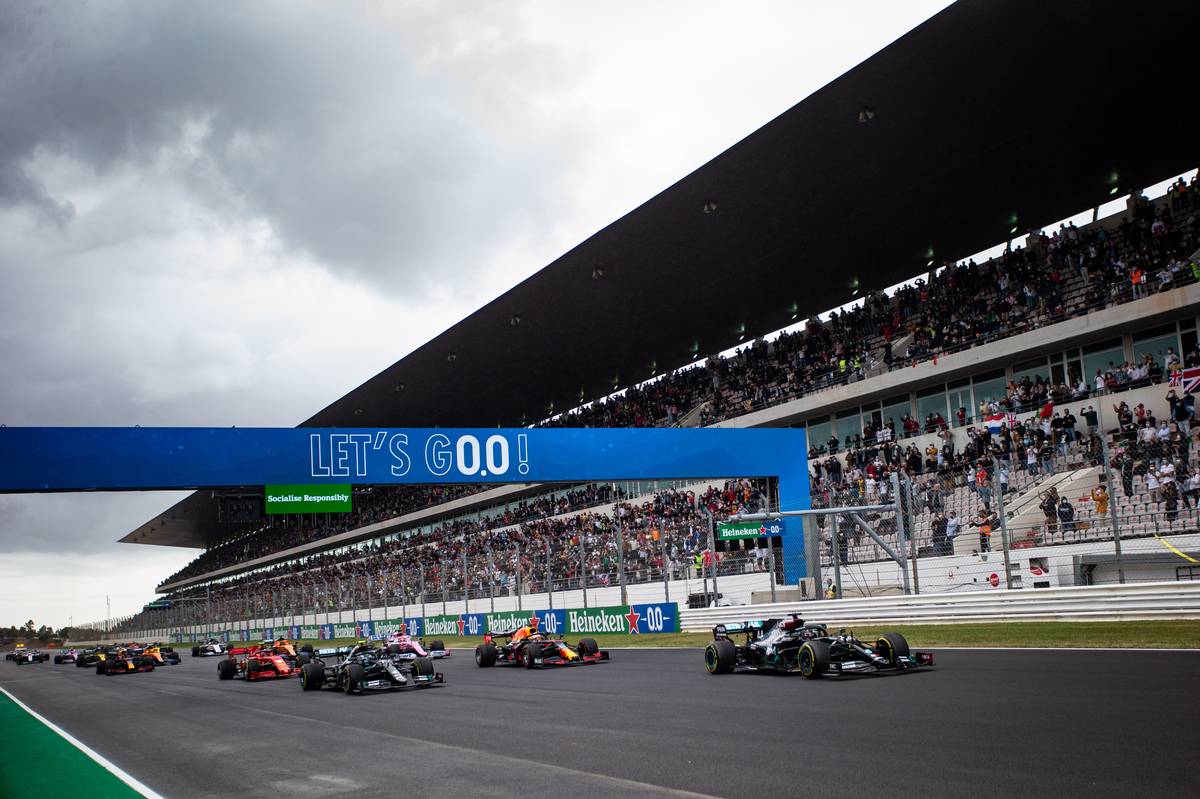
307, 499
507, 621
735, 531
599, 620
441, 625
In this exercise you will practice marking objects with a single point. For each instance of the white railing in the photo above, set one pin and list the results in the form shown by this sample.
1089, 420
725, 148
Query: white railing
1170, 600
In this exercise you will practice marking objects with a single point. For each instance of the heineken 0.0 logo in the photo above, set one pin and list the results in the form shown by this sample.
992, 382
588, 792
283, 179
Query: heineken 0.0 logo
598, 620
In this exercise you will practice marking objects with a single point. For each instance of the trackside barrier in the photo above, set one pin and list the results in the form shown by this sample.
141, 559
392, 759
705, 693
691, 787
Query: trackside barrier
1168, 600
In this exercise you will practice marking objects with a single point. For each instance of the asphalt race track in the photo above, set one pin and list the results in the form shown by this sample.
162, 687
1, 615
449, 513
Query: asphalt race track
651, 723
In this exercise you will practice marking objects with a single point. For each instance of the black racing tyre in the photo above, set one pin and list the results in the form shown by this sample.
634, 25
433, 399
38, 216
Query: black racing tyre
532, 651
100, 667
148, 664
436, 644
395, 649
485, 655
226, 669
311, 676
813, 659
58, 660
79, 662
423, 667
352, 677
891, 646
18, 661
720, 657
195, 651
303, 658
307, 648
588, 646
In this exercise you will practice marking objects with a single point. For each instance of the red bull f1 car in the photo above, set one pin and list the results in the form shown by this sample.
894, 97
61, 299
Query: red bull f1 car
367, 667
122, 660
266, 661
791, 645
532, 649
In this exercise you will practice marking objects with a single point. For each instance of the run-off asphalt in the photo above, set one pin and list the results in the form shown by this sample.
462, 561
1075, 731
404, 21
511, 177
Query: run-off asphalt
651, 723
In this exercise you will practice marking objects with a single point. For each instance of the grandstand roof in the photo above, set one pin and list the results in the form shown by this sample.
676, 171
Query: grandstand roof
986, 112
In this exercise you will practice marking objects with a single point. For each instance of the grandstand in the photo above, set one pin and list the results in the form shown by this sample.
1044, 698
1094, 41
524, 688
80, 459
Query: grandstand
908, 380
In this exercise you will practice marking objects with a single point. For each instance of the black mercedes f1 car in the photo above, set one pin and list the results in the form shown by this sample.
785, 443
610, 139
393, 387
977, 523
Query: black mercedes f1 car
366, 667
791, 645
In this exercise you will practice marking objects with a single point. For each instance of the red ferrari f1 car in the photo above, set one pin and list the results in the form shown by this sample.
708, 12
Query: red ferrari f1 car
266, 661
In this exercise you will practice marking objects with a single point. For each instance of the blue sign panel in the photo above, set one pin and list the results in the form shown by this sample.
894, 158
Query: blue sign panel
413, 626
325, 632
35, 459
552, 622
474, 623
657, 617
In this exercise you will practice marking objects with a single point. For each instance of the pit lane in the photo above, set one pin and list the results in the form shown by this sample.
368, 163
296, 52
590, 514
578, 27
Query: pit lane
650, 723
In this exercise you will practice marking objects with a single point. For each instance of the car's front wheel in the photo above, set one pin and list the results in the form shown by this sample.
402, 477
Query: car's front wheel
891, 647
352, 678
813, 659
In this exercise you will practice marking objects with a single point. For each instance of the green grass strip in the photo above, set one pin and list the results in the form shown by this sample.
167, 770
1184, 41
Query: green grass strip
37, 761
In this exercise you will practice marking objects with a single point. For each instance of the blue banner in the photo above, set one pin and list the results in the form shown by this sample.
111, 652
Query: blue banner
413, 626
657, 617
80, 458
552, 622
474, 623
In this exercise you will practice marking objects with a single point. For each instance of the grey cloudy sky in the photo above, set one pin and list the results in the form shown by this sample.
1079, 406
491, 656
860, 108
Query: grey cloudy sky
230, 213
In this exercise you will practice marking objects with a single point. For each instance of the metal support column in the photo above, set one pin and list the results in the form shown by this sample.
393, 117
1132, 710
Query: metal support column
1003, 522
1112, 500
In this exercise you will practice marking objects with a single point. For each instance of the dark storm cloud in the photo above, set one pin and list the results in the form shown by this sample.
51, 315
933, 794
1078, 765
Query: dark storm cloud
350, 133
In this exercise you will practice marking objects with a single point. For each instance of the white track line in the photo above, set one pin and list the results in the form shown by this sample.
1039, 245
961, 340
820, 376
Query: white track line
104, 762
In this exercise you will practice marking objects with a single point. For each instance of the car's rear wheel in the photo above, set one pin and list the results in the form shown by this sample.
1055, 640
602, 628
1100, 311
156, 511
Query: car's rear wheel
58, 660
437, 644
195, 651
813, 659
485, 655
226, 669
352, 678
891, 647
588, 646
720, 657
532, 652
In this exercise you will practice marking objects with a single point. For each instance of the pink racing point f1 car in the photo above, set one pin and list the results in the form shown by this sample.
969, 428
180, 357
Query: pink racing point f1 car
409, 649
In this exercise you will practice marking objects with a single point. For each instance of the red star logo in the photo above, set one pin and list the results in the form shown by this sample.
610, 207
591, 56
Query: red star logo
762, 530
534, 621
632, 617
461, 624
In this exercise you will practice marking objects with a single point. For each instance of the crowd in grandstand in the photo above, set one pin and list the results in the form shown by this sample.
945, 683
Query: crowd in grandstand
1061, 274
665, 532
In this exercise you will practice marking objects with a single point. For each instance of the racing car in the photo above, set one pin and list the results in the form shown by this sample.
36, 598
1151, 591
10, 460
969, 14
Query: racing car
367, 667
406, 647
23, 655
791, 645
70, 656
212, 646
122, 660
162, 655
266, 661
528, 647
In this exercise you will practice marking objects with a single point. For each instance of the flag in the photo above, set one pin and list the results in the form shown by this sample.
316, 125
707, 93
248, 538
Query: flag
1189, 379
994, 422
